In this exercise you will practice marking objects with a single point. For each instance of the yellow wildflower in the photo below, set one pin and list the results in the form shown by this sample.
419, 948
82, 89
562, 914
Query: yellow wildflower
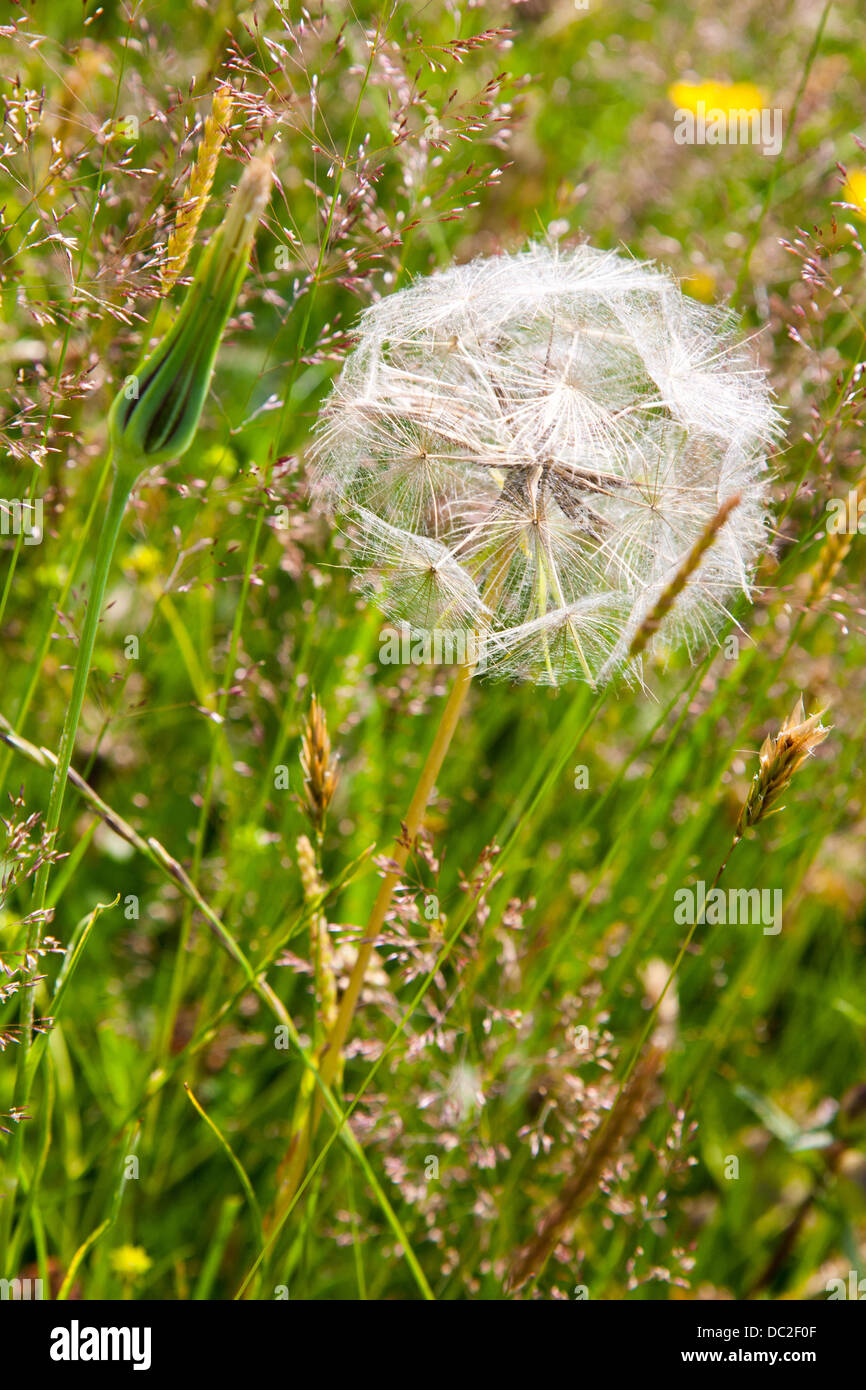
717, 96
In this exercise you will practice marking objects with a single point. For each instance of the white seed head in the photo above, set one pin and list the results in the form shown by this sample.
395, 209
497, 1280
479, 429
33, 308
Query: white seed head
529, 446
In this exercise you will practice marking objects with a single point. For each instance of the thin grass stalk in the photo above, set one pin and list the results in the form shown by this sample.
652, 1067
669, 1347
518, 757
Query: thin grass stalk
780, 757
36, 666
325, 993
159, 421
107, 540
331, 1056
654, 619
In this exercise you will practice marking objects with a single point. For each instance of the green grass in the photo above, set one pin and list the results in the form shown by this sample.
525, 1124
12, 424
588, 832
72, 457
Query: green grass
130, 1184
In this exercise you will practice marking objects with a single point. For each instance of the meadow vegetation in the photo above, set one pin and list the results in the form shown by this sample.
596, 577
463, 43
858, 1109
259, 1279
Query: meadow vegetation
551, 1088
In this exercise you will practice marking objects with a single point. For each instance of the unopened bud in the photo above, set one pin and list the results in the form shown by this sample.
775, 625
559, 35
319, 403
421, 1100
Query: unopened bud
161, 419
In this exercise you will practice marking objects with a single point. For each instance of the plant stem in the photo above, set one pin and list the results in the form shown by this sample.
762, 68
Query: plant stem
330, 1060
118, 498
71, 576
117, 501
414, 819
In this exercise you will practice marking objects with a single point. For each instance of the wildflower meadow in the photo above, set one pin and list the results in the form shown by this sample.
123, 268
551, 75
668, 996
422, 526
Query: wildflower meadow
432, 657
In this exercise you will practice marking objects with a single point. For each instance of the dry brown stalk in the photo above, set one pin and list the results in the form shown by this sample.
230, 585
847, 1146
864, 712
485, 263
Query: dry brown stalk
623, 1119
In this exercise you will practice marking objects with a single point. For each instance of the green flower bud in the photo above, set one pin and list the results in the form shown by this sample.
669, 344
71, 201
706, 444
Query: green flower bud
159, 418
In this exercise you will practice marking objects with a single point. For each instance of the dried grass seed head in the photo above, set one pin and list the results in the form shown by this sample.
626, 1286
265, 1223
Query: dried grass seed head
318, 766
780, 756
531, 445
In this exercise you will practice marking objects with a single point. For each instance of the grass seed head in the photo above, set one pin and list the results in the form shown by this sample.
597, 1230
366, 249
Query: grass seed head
197, 191
780, 756
832, 554
319, 767
533, 445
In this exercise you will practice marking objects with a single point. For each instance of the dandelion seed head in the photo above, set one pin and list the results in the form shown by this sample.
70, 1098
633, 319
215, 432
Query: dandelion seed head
532, 444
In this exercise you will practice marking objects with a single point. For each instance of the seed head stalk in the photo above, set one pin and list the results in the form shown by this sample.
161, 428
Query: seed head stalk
331, 1056
414, 819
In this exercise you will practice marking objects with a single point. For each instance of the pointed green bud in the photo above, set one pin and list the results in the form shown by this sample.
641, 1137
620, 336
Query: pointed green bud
156, 413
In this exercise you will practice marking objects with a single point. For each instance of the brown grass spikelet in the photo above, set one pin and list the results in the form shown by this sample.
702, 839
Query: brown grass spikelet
197, 190
319, 767
654, 619
625, 1116
780, 756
